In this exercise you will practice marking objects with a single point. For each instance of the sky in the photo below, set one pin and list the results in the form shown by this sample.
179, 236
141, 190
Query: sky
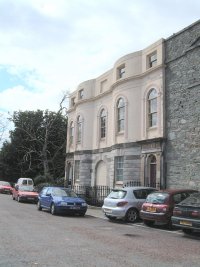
49, 47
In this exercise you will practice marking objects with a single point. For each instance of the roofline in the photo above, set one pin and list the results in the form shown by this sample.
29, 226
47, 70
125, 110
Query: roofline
184, 29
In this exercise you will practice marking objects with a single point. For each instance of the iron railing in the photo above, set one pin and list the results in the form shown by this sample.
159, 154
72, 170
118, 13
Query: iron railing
94, 195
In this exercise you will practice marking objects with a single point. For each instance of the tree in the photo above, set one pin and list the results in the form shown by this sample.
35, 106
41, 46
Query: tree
37, 145
40, 140
3, 127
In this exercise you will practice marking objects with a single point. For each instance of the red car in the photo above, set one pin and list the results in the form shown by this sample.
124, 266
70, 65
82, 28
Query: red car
158, 207
5, 187
25, 194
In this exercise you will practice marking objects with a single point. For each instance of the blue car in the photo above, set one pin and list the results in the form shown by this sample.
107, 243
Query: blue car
61, 200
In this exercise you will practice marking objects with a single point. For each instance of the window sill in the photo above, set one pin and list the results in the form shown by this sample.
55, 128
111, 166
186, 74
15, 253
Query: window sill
119, 183
120, 133
152, 128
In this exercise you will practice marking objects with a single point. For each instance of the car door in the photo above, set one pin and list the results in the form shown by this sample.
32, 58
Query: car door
48, 197
43, 197
140, 196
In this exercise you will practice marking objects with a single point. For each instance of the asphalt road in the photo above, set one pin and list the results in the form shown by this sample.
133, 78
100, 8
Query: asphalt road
29, 237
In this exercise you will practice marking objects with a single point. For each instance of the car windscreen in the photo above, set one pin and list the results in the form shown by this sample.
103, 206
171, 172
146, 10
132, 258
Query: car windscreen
192, 200
117, 194
157, 198
26, 188
61, 192
4, 183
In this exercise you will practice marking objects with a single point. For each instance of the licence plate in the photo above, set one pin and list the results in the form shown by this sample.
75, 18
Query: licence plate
151, 209
74, 208
107, 211
30, 198
186, 223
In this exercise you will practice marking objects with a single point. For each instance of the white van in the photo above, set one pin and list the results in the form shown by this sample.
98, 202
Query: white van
25, 181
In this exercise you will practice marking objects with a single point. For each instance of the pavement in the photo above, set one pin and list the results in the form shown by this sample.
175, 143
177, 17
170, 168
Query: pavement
95, 212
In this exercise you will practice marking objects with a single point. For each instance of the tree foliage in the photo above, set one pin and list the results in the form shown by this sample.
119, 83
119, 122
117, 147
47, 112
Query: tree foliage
37, 146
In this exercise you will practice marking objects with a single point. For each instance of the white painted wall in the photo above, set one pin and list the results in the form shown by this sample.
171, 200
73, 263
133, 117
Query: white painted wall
134, 86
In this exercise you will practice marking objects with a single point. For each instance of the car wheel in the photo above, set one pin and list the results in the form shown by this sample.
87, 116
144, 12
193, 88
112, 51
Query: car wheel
148, 223
131, 215
39, 205
18, 199
53, 209
187, 231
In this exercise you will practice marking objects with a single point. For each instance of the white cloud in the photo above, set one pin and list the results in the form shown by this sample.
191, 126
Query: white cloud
55, 45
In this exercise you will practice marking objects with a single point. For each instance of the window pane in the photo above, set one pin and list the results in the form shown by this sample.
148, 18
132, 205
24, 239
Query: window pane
79, 129
152, 94
152, 108
103, 124
153, 105
154, 119
119, 165
121, 114
77, 170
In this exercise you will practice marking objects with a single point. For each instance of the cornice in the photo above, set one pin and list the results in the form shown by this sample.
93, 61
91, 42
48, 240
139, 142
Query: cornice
114, 85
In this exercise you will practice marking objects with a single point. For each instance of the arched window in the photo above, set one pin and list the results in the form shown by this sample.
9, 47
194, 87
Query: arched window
79, 129
103, 124
120, 115
152, 107
71, 133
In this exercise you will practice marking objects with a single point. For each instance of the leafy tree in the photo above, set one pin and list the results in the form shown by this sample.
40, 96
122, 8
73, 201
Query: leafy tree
37, 145
3, 127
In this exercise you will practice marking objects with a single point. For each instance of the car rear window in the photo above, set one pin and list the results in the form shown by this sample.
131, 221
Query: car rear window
193, 200
117, 194
157, 198
142, 193
5, 183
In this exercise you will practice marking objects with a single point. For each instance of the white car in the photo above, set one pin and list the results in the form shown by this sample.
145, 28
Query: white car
125, 203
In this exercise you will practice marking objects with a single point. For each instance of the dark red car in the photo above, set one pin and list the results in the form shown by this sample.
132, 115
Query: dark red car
5, 187
159, 206
24, 193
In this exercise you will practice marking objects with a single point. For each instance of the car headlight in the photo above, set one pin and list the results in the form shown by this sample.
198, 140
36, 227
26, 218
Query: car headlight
84, 204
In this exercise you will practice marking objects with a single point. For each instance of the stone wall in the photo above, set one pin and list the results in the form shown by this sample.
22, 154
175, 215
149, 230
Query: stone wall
182, 107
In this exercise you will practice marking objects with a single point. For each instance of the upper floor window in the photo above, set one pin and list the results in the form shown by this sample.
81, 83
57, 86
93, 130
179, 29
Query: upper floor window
152, 107
72, 101
71, 133
120, 114
103, 124
103, 86
79, 129
121, 71
119, 168
80, 94
152, 60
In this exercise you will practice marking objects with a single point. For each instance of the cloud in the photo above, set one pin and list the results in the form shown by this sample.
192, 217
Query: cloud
51, 46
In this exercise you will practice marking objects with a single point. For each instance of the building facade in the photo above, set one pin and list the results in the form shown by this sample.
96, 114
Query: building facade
115, 123
182, 112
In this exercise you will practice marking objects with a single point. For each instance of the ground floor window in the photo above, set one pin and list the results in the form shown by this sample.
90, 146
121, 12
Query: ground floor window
77, 171
119, 167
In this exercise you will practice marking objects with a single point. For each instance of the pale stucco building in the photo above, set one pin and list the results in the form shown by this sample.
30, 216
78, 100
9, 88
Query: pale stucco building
115, 123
